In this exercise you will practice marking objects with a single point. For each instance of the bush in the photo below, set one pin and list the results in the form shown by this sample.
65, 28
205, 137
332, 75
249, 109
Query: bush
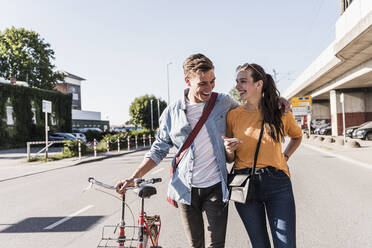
91, 135
71, 148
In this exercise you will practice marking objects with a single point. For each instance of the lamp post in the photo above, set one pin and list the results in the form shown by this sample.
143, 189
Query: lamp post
152, 121
158, 111
168, 80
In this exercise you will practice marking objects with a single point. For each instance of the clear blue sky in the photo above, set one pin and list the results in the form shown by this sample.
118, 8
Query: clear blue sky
122, 47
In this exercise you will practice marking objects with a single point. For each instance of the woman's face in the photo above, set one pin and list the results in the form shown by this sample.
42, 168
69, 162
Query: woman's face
246, 86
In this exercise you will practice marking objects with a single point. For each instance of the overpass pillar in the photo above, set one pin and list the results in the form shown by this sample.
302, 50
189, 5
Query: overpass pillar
358, 108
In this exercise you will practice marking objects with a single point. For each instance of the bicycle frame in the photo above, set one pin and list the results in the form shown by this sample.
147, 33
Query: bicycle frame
148, 226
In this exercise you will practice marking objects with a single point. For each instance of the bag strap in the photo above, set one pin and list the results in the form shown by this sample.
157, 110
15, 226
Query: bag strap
191, 138
195, 130
257, 148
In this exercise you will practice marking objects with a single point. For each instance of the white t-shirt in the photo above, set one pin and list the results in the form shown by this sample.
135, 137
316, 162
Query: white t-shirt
205, 171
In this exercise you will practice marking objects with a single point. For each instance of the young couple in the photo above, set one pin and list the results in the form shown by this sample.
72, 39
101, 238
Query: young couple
199, 183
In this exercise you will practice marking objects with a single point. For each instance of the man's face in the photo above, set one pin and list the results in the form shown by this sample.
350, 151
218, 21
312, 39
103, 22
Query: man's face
201, 85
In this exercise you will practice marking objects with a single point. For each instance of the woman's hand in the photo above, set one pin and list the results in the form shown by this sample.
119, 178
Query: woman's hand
231, 145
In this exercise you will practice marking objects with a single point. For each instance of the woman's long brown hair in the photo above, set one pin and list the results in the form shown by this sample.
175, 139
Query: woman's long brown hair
272, 115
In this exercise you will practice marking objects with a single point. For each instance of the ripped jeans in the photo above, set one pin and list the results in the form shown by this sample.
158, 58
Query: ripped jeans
275, 199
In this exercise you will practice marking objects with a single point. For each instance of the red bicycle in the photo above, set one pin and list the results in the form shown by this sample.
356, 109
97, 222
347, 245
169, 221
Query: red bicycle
148, 226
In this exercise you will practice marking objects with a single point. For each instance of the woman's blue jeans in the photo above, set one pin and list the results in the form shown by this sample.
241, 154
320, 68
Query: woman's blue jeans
274, 198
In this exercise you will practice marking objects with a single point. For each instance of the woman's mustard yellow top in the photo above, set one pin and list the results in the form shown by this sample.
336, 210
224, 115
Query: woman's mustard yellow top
245, 125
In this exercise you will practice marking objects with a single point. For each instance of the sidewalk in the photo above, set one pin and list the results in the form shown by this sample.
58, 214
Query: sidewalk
357, 155
13, 164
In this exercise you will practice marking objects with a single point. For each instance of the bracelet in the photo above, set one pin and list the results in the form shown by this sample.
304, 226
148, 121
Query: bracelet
286, 156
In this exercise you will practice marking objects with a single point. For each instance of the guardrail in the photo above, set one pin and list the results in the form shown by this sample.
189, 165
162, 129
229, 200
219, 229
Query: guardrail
40, 143
146, 140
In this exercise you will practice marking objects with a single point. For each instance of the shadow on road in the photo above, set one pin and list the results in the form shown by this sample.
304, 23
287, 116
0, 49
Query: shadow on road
38, 224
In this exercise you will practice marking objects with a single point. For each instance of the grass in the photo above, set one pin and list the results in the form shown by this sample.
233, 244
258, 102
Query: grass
50, 158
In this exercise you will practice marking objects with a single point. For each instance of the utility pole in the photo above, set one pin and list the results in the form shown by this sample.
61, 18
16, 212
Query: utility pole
152, 121
168, 80
158, 112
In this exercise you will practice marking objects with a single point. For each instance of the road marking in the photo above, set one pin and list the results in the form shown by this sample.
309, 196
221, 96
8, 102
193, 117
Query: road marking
157, 171
347, 159
68, 217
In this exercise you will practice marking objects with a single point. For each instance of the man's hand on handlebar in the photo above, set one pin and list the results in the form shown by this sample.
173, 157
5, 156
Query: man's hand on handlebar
121, 186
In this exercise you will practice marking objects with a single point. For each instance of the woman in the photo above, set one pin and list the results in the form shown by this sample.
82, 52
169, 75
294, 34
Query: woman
273, 196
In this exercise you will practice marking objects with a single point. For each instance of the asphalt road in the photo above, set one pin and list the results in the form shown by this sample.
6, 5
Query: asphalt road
333, 201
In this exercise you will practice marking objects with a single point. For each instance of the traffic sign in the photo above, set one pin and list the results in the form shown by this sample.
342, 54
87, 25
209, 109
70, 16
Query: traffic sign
301, 101
300, 111
47, 106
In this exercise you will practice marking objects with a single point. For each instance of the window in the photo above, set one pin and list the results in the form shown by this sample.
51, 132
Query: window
53, 119
9, 116
33, 115
75, 96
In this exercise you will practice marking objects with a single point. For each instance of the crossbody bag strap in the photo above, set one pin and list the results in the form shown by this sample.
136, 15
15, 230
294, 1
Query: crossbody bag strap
257, 148
191, 138
195, 130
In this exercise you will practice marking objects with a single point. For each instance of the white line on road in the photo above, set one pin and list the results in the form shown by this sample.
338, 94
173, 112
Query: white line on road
68, 217
347, 159
157, 171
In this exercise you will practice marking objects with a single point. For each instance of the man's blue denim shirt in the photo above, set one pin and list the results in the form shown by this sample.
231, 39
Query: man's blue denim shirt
174, 130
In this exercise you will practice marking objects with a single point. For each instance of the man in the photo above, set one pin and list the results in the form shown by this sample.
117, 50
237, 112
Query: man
199, 184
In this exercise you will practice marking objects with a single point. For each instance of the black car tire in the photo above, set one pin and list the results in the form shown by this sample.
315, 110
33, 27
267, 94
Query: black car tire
369, 136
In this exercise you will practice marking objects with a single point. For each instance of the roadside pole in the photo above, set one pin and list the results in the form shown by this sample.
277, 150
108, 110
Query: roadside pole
152, 117
47, 108
342, 100
95, 147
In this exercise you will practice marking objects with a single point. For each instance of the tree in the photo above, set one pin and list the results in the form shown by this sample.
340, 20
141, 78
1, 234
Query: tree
26, 56
140, 111
235, 95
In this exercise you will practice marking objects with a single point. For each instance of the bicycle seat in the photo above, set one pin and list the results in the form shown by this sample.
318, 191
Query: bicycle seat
146, 191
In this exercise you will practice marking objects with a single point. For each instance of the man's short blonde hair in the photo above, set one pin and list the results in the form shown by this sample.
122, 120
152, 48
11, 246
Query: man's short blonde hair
197, 63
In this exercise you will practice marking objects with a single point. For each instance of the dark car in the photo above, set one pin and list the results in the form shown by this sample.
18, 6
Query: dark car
60, 136
326, 130
350, 130
364, 132
318, 129
354, 133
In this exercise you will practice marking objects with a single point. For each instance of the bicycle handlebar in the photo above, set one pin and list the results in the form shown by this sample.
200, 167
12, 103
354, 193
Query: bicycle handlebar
138, 183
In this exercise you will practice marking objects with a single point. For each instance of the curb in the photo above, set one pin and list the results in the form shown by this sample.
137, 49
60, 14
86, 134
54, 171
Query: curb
79, 162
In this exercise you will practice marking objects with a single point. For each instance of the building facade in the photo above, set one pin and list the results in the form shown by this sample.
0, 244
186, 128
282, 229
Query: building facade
80, 118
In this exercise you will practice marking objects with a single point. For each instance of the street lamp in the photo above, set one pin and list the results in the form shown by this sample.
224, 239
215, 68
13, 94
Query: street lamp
158, 112
168, 79
152, 121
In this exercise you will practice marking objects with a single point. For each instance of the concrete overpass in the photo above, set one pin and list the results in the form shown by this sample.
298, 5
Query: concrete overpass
344, 66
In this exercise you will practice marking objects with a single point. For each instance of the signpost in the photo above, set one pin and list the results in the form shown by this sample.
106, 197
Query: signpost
47, 108
302, 106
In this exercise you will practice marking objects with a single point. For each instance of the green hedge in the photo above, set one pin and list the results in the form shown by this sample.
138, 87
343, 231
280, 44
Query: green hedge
21, 99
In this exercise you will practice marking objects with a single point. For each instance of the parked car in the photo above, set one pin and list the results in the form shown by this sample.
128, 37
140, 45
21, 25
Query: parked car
364, 132
351, 131
86, 129
317, 130
80, 136
60, 136
326, 130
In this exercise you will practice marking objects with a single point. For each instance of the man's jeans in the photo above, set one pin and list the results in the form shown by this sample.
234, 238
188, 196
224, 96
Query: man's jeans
208, 200
274, 194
